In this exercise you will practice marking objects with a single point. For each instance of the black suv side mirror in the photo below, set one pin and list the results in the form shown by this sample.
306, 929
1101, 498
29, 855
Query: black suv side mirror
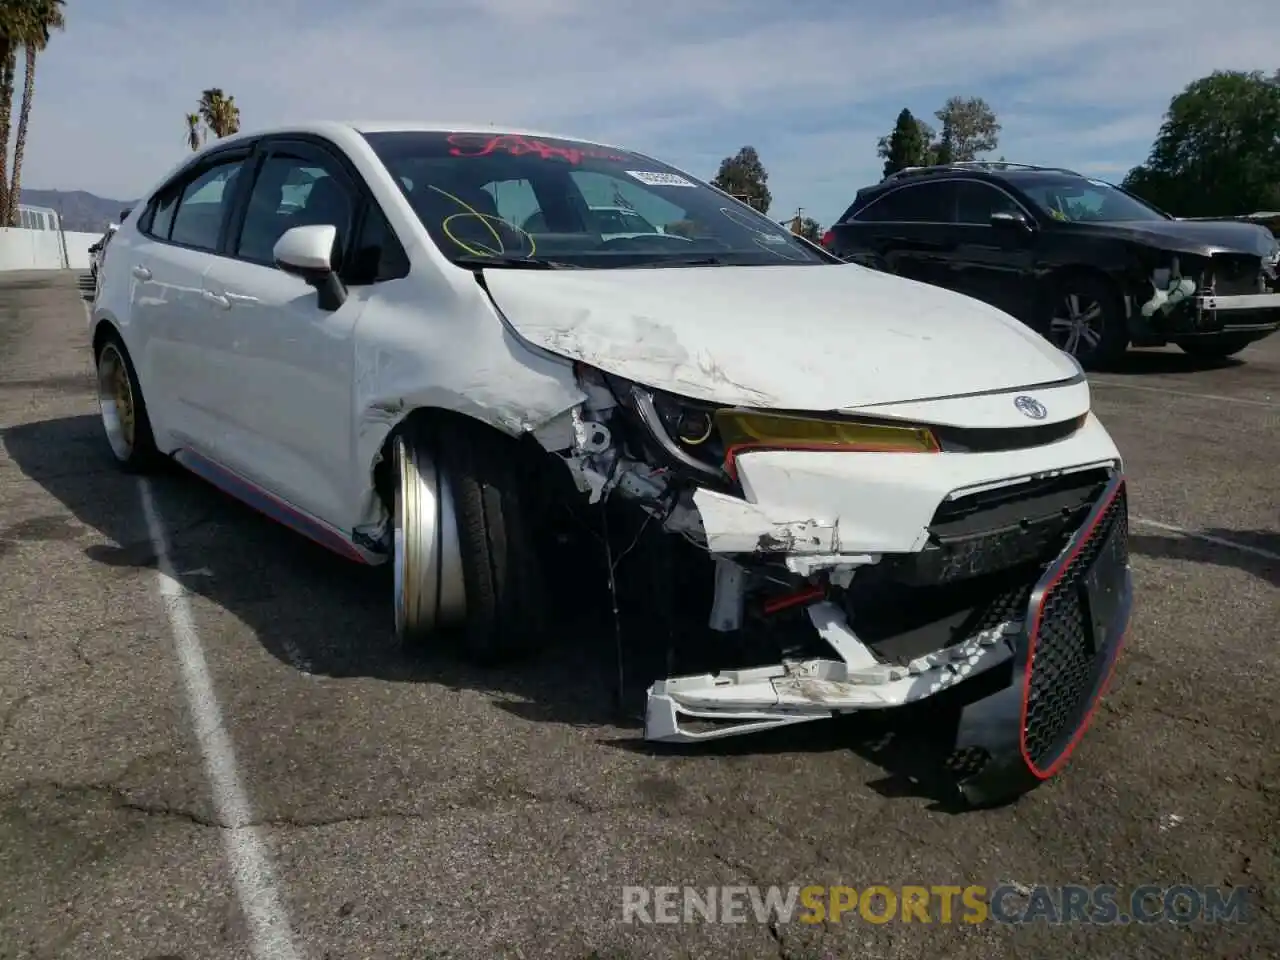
1011, 219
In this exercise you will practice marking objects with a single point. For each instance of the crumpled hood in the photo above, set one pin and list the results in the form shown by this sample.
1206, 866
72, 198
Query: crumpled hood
1197, 236
786, 337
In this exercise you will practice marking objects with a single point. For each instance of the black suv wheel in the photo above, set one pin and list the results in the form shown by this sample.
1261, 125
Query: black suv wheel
1086, 319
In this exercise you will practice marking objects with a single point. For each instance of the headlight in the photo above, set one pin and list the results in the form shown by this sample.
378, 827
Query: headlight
746, 430
708, 439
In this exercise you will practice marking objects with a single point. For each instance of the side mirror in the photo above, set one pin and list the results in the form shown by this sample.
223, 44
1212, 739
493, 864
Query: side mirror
1011, 219
124, 215
308, 252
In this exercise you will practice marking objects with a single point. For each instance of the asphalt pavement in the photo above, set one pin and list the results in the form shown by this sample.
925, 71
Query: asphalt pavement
394, 809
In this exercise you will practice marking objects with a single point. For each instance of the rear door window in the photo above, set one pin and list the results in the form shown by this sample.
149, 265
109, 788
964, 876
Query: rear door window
932, 202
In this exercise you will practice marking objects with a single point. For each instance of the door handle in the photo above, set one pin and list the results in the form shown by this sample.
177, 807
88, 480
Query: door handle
142, 273
240, 297
223, 302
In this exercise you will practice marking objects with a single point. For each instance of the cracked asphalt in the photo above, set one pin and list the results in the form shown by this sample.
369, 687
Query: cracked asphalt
431, 810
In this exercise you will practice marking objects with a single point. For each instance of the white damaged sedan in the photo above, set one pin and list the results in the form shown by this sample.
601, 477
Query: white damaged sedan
343, 326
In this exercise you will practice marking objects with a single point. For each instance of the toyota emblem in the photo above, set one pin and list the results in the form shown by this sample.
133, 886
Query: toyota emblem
1030, 407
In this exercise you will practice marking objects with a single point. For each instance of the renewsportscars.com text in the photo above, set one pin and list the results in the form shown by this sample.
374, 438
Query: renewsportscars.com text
941, 904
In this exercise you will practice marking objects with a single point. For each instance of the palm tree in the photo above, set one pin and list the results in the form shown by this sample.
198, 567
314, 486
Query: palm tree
44, 16
219, 112
15, 20
195, 135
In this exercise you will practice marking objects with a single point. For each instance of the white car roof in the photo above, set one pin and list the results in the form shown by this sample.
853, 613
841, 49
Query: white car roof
339, 129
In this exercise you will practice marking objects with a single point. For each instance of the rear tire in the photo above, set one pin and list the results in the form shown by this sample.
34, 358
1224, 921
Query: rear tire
464, 556
124, 411
1216, 347
1087, 320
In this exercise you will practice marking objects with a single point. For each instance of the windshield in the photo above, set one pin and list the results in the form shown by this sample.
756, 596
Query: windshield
1076, 200
504, 197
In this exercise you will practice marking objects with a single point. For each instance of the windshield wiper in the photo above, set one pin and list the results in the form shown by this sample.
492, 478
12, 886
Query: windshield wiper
512, 262
683, 262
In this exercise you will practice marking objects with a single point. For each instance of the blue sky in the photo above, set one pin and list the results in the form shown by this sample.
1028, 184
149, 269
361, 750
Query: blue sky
810, 83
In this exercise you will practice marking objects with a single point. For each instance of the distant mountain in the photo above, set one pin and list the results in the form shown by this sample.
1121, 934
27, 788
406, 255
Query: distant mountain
79, 210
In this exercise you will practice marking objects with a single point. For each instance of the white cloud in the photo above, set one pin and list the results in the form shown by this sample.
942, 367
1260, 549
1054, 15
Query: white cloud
811, 84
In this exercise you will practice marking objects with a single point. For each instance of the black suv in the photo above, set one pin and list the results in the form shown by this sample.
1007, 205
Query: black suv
1083, 262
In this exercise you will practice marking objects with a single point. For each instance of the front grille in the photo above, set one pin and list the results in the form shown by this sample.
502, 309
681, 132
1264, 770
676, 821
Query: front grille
1064, 657
1233, 274
1002, 528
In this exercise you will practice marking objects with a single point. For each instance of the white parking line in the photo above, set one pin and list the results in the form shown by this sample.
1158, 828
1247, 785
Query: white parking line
250, 861
1209, 538
1247, 401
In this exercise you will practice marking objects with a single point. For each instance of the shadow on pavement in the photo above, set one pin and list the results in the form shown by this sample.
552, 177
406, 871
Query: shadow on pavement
1174, 547
327, 616
1151, 362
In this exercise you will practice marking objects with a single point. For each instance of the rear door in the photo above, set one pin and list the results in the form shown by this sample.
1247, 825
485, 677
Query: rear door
177, 240
907, 231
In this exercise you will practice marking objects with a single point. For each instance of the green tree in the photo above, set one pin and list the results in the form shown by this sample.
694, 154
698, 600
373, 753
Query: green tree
744, 176
24, 25
969, 127
44, 16
1218, 150
810, 229
944, 151
907, 145
15, 20
219, 112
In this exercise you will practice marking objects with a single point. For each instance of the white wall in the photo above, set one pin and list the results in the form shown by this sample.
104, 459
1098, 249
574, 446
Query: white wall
78, 245
42, 249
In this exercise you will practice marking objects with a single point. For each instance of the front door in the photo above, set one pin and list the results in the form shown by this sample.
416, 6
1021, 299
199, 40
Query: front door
288, 410
989, 262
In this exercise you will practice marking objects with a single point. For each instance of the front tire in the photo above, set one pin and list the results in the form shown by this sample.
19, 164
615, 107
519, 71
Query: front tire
124, 411
463, 555
1087, 320
1216, 347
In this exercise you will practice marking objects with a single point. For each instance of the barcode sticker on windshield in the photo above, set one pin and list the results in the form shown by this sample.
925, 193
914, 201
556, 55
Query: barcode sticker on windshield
655, 178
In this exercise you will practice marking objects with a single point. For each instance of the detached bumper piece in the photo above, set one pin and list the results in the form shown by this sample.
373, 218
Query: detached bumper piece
1055, 651
1078, 612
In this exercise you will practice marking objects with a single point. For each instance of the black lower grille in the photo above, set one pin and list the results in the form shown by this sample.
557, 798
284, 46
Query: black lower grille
1065, 657
967, 762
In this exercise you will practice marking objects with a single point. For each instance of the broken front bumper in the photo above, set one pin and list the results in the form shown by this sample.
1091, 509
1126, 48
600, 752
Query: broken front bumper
1057, 652
1242, 313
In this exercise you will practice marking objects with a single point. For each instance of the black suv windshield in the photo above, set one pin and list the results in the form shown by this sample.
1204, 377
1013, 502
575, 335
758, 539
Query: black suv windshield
1077, 199
503, 196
